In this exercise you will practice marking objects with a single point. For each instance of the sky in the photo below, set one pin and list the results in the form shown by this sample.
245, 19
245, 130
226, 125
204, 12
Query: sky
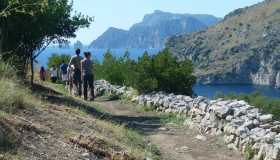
124, 13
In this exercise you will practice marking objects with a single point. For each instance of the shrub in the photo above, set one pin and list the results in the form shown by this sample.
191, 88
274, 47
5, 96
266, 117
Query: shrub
56, 60
13, 97
6, 71
172, 75
249, 152
8, 137
162, 72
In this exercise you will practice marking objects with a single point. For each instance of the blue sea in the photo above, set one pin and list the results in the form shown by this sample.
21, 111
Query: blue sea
97, 53
203, 90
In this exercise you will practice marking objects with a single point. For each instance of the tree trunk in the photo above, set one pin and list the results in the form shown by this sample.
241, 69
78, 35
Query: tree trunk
32, 72
1, 42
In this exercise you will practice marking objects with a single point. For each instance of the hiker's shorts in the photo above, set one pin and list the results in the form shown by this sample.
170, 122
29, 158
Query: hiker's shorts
64, 77
77, 76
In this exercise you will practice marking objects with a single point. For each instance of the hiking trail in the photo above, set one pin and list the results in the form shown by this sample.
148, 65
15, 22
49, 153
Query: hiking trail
175, 142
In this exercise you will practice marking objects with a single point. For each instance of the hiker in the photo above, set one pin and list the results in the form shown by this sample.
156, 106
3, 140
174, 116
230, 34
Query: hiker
42, 74
53, 72
75, 64
70, 72
87, 76
63, 72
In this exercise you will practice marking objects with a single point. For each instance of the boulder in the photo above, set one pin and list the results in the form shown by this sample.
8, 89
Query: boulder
266, 118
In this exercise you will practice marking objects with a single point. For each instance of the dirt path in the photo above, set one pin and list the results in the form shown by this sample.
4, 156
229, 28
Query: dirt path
175, 143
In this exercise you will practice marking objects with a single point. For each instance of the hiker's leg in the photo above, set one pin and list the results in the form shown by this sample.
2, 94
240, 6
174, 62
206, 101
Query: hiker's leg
71, 87
77, 83
91, 87
85, 85
79, 78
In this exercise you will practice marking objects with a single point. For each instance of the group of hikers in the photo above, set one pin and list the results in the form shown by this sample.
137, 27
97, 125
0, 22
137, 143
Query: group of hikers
77, 75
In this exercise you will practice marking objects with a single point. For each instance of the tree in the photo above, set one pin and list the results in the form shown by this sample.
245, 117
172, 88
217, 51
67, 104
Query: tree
54, 23
162, 72
173, 75
145, 79
56, 60
11, 7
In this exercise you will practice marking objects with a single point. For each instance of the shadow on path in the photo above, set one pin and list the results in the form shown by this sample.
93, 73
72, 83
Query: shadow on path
140, 123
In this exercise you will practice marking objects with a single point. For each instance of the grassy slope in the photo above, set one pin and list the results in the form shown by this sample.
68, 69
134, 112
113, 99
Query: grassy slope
42, 113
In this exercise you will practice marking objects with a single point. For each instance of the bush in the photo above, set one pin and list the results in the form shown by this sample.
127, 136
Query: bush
249, 152
13, 97
56, 60
162, 72
266, 104
6, 71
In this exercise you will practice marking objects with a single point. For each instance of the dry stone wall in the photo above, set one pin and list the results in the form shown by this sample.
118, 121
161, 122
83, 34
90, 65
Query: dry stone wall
244, 127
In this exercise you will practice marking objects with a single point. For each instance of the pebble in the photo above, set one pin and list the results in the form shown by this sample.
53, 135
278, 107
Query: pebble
201, 138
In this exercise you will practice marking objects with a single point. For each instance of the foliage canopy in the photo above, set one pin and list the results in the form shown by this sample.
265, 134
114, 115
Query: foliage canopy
161, 72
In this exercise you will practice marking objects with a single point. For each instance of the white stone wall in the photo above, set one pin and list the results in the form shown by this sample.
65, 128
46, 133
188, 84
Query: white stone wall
241, 125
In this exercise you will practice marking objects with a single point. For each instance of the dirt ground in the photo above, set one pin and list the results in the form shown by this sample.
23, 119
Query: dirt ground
174, 142
46, 131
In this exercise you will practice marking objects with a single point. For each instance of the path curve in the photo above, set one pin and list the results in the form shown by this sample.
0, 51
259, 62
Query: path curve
174, 142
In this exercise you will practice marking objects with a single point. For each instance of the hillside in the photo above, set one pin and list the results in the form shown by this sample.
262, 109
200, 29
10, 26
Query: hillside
243, 48
153, 30
47, 123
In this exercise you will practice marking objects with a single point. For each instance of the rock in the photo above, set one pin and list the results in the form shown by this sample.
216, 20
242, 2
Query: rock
232, 146
249, 124
222, 111
229, 118
229, 139
240, 123
201, 137
276, 129
242, 132
85, 154
163, 129
266, 118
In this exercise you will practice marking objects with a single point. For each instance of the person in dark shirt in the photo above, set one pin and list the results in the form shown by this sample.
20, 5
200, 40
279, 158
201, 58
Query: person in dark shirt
87, 76
75, 64
42, 74
63, 72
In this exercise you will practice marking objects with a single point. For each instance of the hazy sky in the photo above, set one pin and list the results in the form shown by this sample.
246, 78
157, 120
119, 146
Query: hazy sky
124, 13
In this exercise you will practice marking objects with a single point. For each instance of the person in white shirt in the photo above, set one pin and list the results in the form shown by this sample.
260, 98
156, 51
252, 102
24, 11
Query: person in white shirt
53, 73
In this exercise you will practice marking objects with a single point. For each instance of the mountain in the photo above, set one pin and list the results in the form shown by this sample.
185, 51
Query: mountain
153, 30
243, 48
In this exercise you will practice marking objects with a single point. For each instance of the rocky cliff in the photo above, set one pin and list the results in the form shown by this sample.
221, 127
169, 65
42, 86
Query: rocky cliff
153, 30
243, 48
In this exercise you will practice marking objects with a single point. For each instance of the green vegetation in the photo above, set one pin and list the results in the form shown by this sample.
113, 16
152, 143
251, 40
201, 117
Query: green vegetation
218, 52
172, 118
249, 152
56, 60
53, 21
134, 142
161, 72
130, 139
266, 104
14, 95
17, 98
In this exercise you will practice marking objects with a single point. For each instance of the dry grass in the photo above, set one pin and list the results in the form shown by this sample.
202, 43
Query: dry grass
14, 96
132, 141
